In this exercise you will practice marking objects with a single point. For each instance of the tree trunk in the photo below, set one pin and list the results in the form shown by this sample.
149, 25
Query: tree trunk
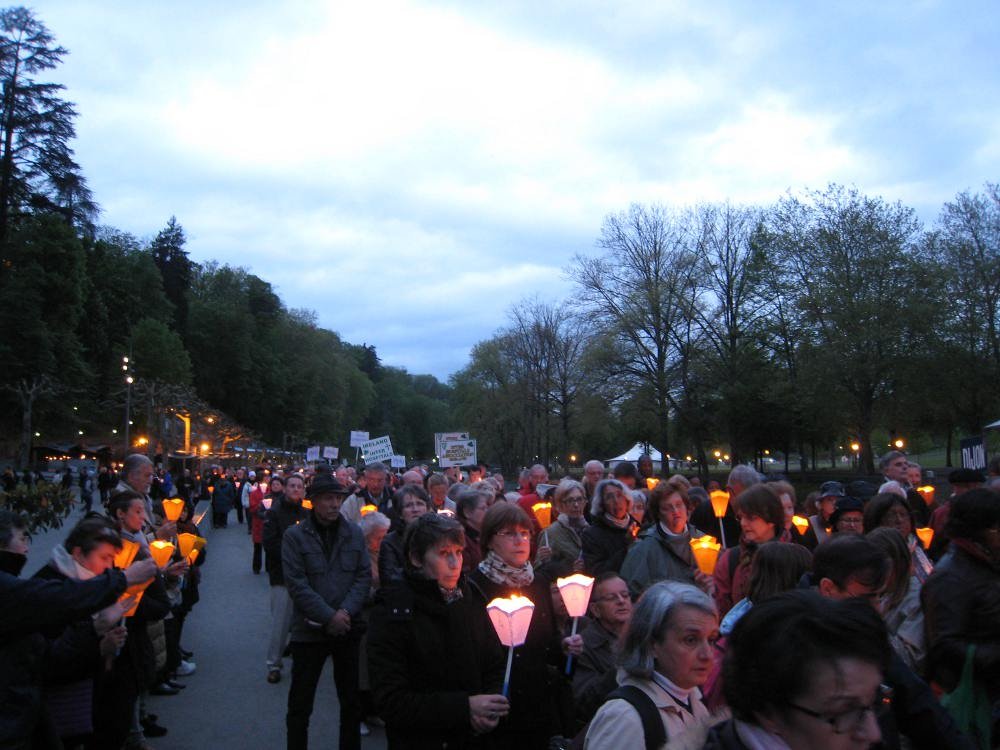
948, 446
27, 407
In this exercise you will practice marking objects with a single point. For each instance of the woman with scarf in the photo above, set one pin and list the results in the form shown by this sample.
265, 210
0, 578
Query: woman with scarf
560, 546
538, 665
613, 530
762, 519
892, 510
663, 551
85, 649
435, 663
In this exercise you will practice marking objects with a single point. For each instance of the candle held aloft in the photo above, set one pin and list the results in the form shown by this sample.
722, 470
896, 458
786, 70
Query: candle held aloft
720, 502
925, 535
927, 493
172, 508
801, 523
125, 556
543, 512
161, 552
706, 553
575, 591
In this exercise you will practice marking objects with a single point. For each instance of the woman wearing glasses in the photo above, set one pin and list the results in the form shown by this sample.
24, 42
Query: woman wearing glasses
505, 571
560, 545
822, 687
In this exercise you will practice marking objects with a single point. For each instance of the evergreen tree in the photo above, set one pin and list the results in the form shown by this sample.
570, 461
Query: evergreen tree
175, 268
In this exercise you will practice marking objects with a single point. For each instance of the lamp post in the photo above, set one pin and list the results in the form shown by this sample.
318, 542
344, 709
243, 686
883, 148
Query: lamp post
127, 369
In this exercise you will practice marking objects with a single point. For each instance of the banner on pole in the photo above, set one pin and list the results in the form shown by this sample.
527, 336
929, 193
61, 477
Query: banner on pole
458, 453
398, 462
379, 449
312, 453
974, 453
331, 451
357, 438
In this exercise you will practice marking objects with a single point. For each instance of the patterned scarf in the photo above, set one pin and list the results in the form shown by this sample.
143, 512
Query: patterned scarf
496, 570
450, 595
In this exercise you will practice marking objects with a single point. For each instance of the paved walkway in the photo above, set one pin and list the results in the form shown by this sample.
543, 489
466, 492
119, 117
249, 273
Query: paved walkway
228, 704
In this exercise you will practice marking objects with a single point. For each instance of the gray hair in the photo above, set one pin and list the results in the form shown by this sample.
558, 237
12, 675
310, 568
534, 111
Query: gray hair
133, 462
593, 462
566, 486
376, 466
374, 521
888, 458
651, 618
894, 487
743, 475
597, 501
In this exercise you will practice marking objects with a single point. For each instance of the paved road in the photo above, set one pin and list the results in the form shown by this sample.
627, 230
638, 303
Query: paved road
228, 704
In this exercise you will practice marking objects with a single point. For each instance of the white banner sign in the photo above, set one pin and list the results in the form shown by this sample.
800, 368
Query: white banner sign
458, 453
357, 438
398, 462
379, 449
331, 451
312, 453
440, 438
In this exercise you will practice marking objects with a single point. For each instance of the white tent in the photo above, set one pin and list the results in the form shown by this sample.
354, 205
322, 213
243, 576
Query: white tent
993, 425
633, 453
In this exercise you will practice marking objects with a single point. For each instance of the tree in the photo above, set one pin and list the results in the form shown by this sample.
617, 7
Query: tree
37, 170
850, 258
641, 291
175, 269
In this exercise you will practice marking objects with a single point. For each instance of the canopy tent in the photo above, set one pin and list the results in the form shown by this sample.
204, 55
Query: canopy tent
993, 425
633, 453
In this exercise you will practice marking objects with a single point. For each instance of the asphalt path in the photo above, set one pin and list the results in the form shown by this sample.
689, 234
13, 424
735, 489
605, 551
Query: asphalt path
228, 703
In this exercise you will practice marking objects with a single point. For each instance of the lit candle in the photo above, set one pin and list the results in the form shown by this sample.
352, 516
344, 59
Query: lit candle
925, 535
366, 509
706, 552
720, 504
172, 508
543, 512
575, 591
927, 493
161, 552
801, 523
125, 556
651, 482
511, 618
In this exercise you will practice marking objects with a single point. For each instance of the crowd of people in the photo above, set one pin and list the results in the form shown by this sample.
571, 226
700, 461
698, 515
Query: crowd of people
826, 621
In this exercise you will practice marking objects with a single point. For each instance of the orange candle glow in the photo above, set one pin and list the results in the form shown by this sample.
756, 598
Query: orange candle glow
925, 535
801, 523
172, 508
706, 553
927, 493
720, 502
651, 482
161, 552
543, 512
366, 509
125, 556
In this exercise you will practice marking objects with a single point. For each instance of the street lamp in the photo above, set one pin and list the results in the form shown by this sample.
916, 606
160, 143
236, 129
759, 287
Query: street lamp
899, 443
127, 369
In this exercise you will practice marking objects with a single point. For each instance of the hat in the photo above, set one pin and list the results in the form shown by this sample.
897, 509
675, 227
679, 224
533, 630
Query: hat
862, 490
252, 474
831, 489
966, 476
846, 504
326, 484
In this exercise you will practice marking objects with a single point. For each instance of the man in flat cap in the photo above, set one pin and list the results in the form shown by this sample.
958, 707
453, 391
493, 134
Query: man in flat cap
328, 574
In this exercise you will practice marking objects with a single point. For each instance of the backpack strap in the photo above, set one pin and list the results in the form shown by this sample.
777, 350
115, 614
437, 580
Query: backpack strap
649, 714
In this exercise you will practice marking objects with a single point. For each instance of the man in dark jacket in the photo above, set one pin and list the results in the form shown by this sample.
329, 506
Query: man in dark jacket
28, 607
286, 511
328, 575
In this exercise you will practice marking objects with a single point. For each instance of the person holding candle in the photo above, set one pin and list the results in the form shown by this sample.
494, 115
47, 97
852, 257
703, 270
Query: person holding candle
666, 656
762, 519
560, 546
826, 503
506, 571
606, 541
786, 494
663, 551
435, 663
255, 523
888, 509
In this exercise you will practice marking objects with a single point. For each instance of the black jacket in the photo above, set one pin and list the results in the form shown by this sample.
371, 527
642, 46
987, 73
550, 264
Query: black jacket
537, 664
426, 659
961, 602
276, 520
604, 546
28, 607
391, 564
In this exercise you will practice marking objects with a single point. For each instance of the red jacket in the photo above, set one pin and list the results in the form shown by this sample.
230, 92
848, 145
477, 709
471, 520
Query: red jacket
255, 497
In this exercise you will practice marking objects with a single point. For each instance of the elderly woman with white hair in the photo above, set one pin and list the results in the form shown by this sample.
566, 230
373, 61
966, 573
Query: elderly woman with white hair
612, 531
560, 546
667, 654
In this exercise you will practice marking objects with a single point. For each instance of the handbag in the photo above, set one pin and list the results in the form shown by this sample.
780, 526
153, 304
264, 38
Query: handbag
969, 705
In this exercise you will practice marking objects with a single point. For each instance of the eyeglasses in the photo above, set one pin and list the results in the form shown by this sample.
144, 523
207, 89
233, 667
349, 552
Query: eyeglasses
524, 536
574, 500
848, 721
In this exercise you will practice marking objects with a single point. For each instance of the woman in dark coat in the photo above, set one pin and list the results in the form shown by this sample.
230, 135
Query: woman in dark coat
435, 665
537, 675
223, 497
612, 530
409, 502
